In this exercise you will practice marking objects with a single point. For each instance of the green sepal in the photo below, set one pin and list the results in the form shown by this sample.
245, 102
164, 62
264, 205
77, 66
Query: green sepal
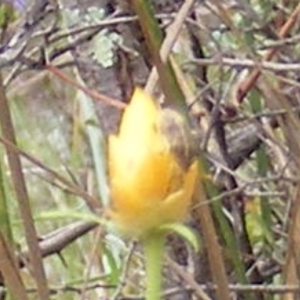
81, 216
184, 231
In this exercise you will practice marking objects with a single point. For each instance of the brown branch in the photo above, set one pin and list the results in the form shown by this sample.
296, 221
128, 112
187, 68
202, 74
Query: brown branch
245, 63
58, 240
22, 196
92, 93
188, 279
203, 215
9, 271
291, 263
247, 84
92, 202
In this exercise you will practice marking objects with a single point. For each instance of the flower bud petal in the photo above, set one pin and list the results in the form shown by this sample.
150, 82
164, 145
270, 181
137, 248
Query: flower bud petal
149, 187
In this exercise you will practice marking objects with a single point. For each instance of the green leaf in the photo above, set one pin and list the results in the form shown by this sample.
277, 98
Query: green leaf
184, 231
6, 15
62, 214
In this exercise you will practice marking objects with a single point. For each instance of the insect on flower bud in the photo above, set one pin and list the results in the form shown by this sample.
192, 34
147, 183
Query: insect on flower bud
151, 168
182, 143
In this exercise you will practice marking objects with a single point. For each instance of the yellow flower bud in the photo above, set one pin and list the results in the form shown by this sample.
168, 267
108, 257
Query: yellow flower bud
150, 184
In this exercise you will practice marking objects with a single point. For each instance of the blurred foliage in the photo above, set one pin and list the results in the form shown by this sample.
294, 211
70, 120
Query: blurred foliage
104, 43
254, 203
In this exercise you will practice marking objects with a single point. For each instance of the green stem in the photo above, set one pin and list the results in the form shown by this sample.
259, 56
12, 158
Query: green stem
154, 37
154, 249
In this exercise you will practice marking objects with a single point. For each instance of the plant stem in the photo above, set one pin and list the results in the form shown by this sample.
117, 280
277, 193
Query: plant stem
153, 249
